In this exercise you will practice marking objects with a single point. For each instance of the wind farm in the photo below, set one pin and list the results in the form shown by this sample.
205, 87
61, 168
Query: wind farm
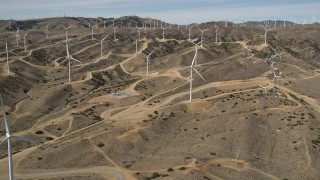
135, 97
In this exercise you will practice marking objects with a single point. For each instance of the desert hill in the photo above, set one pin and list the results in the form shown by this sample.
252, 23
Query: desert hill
116, 121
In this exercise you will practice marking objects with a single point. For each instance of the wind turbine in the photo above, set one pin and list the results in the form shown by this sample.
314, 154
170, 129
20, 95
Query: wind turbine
275, 77
9, 24
47, 32
265, 34
190, 33
148, 63
114, 33
276, 54
136, 46
265, 93
24, 41
217, 34
7, 52
9, 137
18, 36
202, 31
163, 32
139, 28
69, 57
92, 32
193, 69
102, 44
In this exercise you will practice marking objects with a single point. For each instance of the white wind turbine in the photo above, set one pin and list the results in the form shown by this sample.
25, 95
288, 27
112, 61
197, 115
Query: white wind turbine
139, 28
47, 32
92, 32
148, 61
136, 46
102, 45
18, 36
275, 77
265, 34
217, 34
114, 33
265, 93
24, 41
202, 31
190, 33
276, 55
7, 52
163, 32
8, 138
193, 69
68, 57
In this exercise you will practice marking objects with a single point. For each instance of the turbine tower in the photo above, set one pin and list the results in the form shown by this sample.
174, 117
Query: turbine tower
217, 34
7, 53
47, 32
163, 32
265, 94
8, 138
139, 28
114, 33
190, 33
136, 46
18, 36
102, 45
24, 41
191, 72
148, 63
265, 34
92, 32
275, 77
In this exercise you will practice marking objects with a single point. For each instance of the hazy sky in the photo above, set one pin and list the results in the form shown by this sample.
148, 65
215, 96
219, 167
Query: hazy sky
170, 10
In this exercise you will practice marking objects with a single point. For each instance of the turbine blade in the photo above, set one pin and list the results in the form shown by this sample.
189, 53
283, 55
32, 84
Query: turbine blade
13, 53
4, 116
199, 74
195, 56
27, 140
75, 60
184, 68
3, 141
63, 61
150, 54
104, 38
